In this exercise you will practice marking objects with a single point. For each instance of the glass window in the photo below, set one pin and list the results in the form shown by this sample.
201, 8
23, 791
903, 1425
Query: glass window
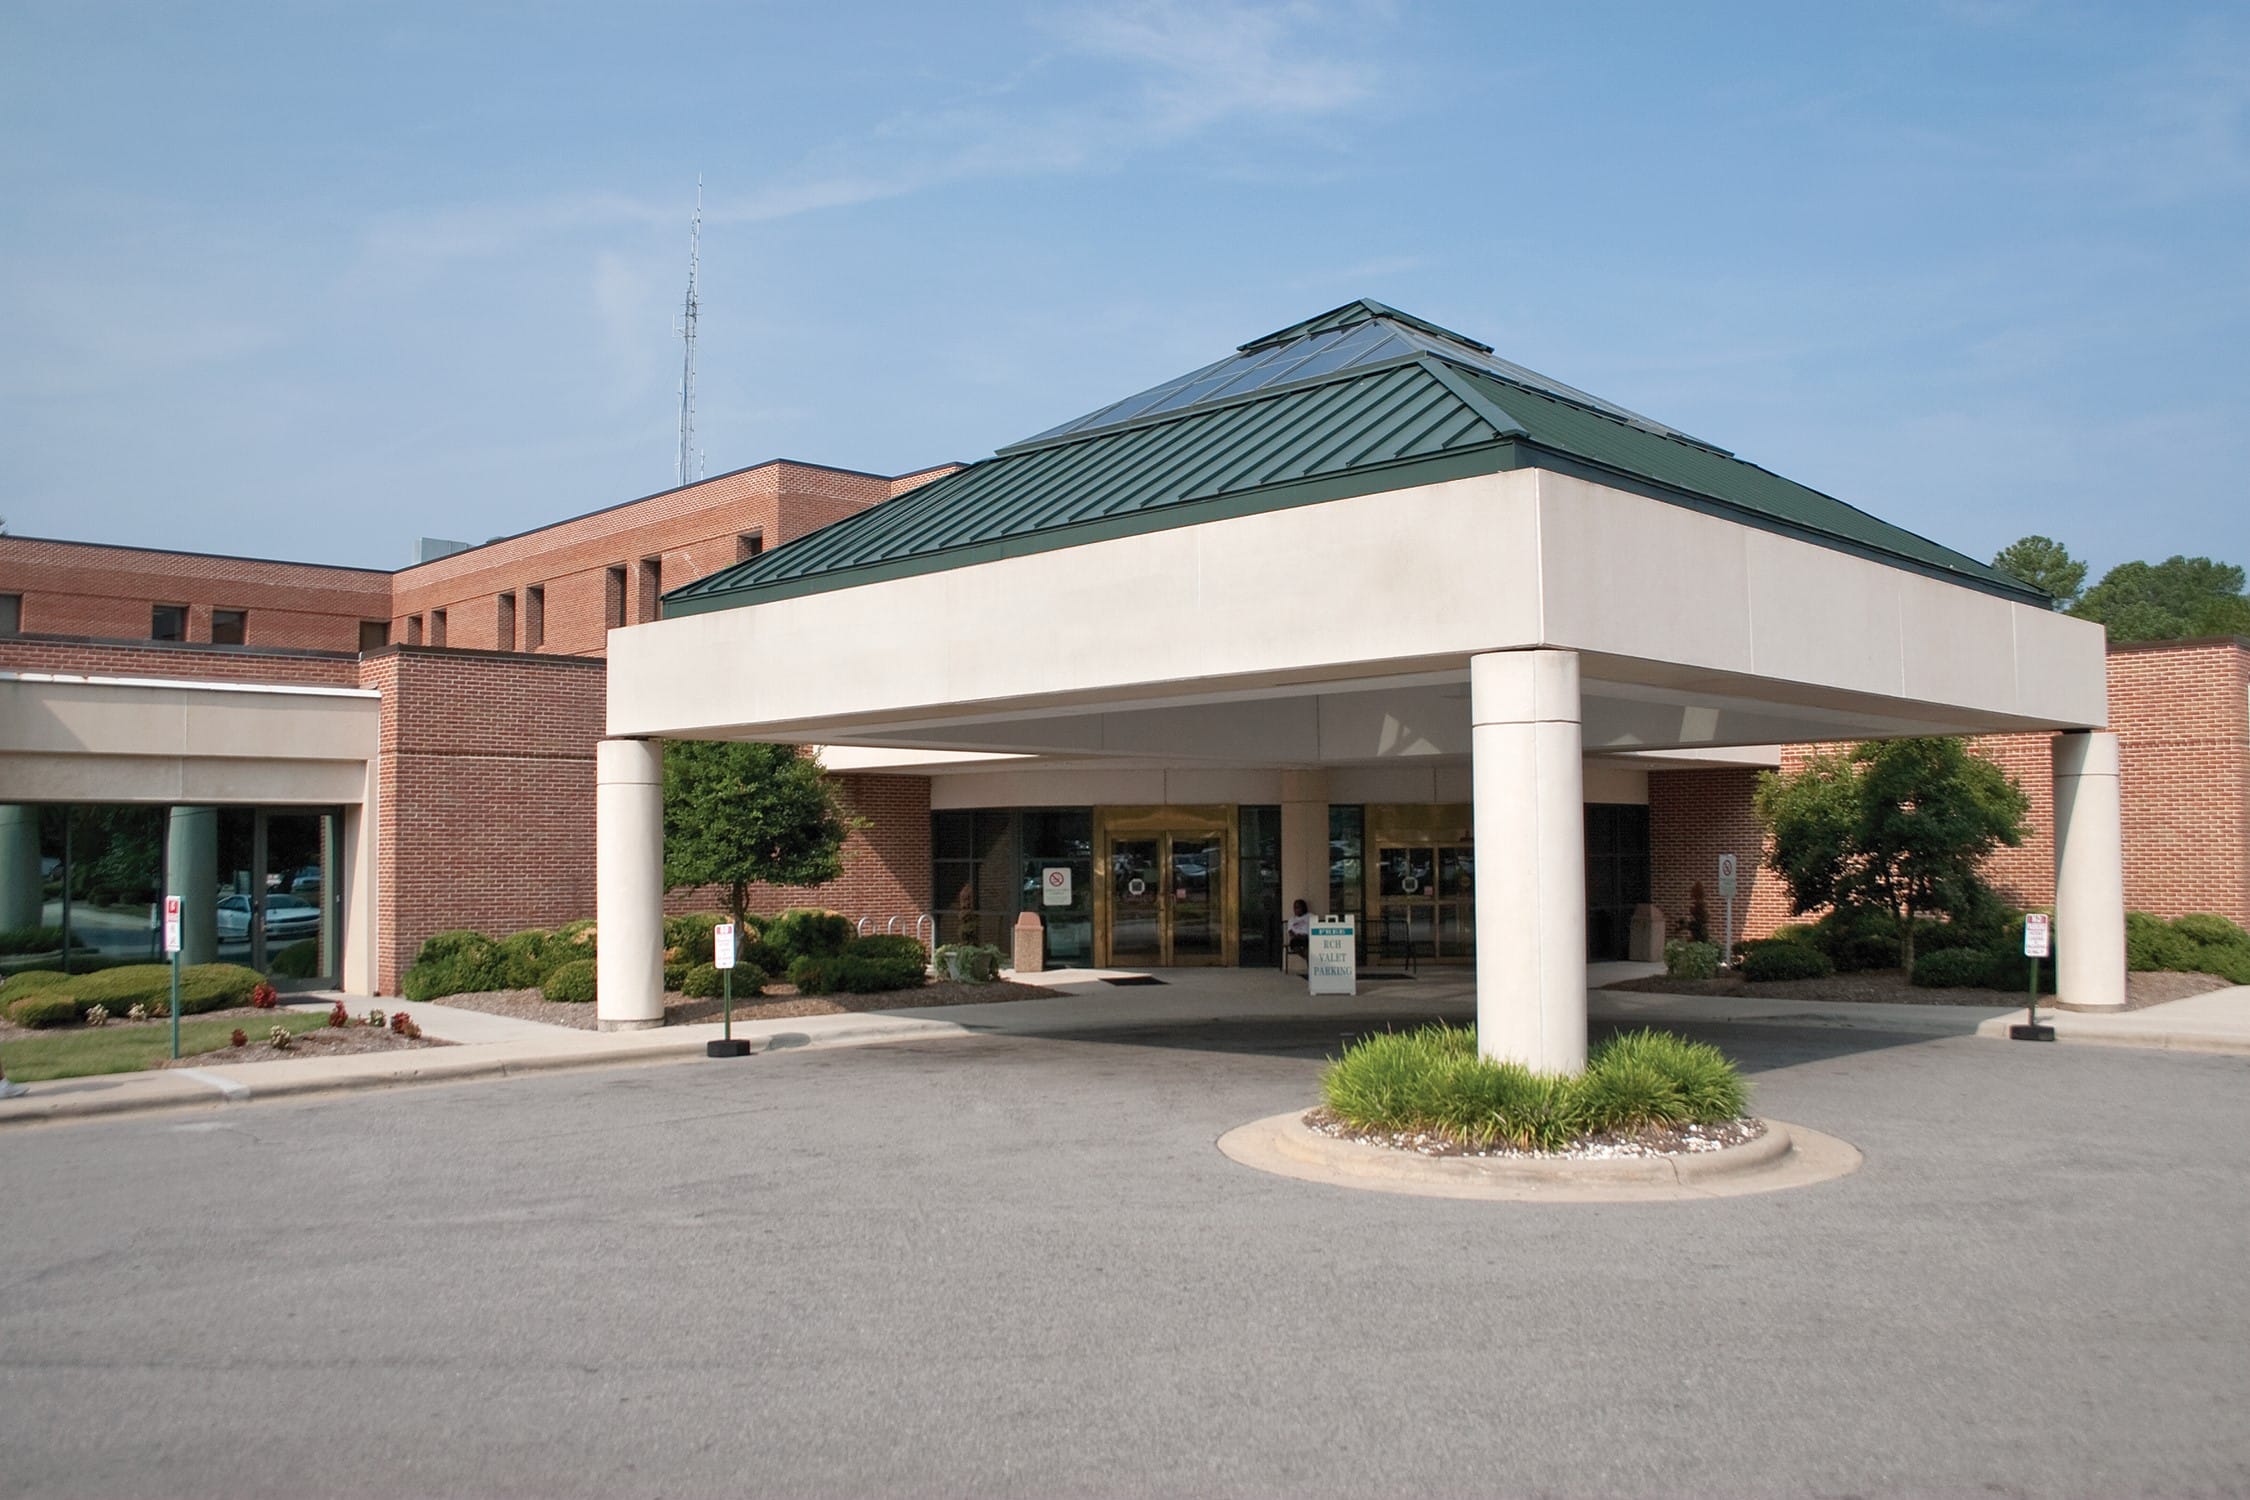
11, 614
748, 545
534, 617
1347, 866
414, 630
229, 626
168, 622
437, 627
374, 635
1061, 838
613, 597
504, 624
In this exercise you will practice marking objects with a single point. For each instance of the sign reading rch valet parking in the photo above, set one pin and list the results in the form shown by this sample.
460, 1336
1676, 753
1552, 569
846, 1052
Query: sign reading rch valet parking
1332, 957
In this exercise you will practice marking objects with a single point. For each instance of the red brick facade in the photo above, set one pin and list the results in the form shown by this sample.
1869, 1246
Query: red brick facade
85, 589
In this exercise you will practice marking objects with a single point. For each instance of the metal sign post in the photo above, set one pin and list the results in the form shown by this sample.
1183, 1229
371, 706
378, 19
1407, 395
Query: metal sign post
1726, 889
172, 948
2038, 942
722, 955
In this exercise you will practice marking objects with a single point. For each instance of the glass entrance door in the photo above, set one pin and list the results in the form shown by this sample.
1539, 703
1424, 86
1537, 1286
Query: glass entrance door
1166, 903
1427, 896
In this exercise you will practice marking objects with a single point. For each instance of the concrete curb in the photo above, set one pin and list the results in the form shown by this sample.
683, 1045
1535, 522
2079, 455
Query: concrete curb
1786, 1156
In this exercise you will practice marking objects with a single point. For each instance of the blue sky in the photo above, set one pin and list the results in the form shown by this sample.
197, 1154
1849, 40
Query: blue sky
311, 280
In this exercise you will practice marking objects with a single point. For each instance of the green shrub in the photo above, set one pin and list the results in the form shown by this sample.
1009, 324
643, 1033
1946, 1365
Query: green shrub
1792, 932
688, 938
1432, 1079
1954, 968
202, 987
34, 979
471, 970
2199, 927
525, 958
2151, 944
579, 935
456, 943
300, 960
969, 963
573, 983
1684, 958
851, 974
889, 948
44, 1010
704, 982
804, 932
1771, 961
31, 940
1857, 939
2230, 961
675, 975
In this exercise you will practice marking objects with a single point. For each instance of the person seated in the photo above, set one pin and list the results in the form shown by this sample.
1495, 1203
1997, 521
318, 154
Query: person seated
1300, 933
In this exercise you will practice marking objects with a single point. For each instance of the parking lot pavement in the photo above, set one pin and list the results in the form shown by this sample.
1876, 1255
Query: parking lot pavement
1018, 1265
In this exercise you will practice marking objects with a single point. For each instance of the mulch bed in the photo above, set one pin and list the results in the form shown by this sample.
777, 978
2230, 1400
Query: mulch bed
778, 1002
1652, 1140
327, 1041
1890, 987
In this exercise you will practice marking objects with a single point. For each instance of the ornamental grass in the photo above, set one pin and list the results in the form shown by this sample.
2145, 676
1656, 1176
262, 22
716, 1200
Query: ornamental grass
1432, 1080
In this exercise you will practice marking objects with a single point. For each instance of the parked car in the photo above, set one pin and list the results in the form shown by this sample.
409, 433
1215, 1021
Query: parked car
286, 917
306, 882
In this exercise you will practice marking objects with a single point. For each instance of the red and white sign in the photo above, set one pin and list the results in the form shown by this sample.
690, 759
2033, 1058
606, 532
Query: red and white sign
2038, 935
171, 924
722, 946
1054, 885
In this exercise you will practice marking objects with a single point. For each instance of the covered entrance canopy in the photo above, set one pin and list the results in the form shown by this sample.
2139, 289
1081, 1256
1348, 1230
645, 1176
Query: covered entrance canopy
1360, 542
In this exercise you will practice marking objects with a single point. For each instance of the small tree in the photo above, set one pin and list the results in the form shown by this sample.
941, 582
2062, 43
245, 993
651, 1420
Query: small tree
1896, 825
738, 815
2168, 601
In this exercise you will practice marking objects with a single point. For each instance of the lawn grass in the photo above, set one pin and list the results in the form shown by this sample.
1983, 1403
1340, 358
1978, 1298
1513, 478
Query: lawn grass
128, 1048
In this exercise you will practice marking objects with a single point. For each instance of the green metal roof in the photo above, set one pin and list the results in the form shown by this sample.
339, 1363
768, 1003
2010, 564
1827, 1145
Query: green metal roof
1359, 400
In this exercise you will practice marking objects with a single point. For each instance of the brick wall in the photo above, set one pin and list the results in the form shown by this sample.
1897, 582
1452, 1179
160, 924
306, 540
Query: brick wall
89, 590
1694, 816
185, 663
690, 533
486, 794
2181, 711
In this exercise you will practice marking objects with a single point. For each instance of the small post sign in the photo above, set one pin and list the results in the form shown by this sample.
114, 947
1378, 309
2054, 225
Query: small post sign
1726, 890
723, 959
2038, 943
172, 948
1054, 885
1332, 956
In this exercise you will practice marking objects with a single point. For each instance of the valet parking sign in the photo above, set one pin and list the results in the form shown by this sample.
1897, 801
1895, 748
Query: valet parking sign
1332, 957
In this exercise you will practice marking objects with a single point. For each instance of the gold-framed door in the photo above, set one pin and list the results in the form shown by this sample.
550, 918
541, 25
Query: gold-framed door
1166, 892
1421, 878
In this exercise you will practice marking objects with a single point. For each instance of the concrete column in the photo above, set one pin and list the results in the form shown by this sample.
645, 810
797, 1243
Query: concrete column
191, 872
1304, 841
1529, 781
2089, 871
629, 890
21, 899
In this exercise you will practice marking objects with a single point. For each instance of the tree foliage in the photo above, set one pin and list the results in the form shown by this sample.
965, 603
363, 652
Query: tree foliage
1899, 826
2045, 563
2173, 600
738, 815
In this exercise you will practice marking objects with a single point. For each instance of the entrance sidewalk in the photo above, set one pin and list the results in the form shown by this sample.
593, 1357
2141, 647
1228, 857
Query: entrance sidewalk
490, 1046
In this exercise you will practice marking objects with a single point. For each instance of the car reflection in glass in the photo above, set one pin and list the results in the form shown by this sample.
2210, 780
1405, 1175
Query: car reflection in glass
286, 916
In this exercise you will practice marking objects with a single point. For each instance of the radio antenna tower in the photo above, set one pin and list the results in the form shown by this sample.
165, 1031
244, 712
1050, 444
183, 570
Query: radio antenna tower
691, 457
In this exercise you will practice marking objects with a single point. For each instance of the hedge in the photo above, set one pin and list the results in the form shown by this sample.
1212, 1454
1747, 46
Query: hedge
573, 983
300, 960
865, 967
1766, 963
1687, 959
16, 940
1953, 969
804, 932
202, 987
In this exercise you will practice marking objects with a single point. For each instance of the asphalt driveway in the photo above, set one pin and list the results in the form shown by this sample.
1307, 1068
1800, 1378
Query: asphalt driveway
1019, 1266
